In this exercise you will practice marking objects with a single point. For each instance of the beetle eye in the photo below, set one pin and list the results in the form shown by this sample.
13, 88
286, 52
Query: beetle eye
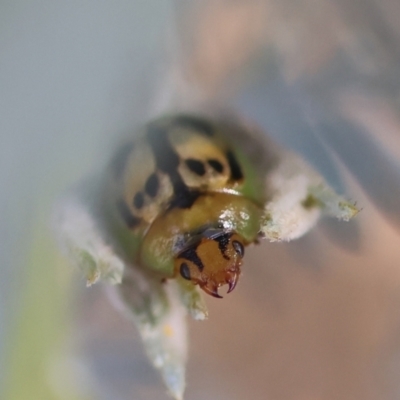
239, 248
185, 271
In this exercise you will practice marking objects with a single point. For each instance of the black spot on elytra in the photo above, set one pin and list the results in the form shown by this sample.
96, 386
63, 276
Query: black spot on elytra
195, 166
236, 171
130, 220
191, 255
184, 199
216, 165
120, 158
185, 271
199, 125
138, 200
167, 160
152, 185
223, 242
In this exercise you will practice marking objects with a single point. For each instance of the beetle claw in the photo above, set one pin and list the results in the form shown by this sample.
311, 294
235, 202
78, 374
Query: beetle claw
232, 281
213, 291
216, 294
211, 286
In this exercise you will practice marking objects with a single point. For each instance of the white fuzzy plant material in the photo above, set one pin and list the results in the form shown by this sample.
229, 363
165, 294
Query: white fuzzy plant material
297, 196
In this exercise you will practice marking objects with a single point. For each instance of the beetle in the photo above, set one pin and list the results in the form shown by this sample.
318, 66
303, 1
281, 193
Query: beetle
186, 199
187, 194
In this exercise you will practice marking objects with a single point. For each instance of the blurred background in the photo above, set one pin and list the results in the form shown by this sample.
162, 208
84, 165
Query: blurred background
315, 319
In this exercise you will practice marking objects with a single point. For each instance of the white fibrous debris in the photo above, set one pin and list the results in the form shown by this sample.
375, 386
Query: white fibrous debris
84, 241
157, 309
298, 195
160, 317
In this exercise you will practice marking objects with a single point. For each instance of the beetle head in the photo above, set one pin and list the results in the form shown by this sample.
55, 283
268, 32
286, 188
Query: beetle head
212, 261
